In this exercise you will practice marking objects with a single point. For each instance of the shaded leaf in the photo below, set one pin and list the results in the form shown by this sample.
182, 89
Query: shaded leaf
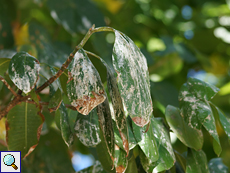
23, 71
196, 162
166, 155
65, 128
120, 160
132, 167
106, 125
84, 87
4, 64
133, 79
119, 113
55, 101
75, 15
216, 165
189, 136
87, 129
146, 141
34, 96
96, 168
23, 126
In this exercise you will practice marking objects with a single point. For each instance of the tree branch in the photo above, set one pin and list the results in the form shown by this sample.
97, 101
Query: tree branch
8, 86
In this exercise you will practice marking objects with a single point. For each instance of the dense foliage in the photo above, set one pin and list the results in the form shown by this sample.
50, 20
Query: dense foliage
142, 85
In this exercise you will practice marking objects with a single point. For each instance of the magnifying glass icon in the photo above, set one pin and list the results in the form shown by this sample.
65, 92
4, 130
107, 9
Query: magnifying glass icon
9, 160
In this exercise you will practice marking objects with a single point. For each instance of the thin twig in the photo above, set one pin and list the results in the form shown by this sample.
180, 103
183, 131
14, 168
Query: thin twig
92, 54
8, 86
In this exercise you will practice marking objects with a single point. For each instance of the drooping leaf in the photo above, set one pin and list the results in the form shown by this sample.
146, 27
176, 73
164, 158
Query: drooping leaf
65, 128
23, 71
120, 160
75, 15
216, 165
23, 128
96, 168
146, 141
55, 101
132, 166
106, 125
133, 79
87, 129
166, 155
196, 161
119, 113
189, 136
84, 87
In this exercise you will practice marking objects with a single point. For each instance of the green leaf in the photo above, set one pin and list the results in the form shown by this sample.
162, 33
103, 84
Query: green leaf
106, 125
132, 166
119, 113
65, 128
146, 141
148, 167
84, 87
75, 15
23, 71
191, 137
133, 79
24, 124
55, 101
87, 129
34, 96
196, 162
166, 155
4, 64
96, 168
120, 160
216, 165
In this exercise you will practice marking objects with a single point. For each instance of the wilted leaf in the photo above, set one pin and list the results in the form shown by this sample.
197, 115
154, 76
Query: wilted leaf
84, 87
23, 71
196, 162
216, 165
146, 141
120, 160
119, 113
133, 79
189, 136
23, 127
106, 125
55, 101
87, 129
65, 128
166, 155
96, 168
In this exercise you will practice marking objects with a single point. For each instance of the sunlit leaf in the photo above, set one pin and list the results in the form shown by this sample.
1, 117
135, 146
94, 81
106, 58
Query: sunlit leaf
96, 168
23, 71
120, 160
166, 155
189, 136
84, 87
23, 126
196, 162
87, 128
133, 79
55, 101
216, 165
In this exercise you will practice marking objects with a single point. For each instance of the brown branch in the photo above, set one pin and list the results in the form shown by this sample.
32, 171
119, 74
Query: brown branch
8, 86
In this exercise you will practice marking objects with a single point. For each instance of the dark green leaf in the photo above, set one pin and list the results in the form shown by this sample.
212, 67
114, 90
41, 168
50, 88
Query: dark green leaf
216, 165
166, 155
65, 128
34, 96
146, 141
75, 15
189, 136
196, 162
96, 168
106, 125
23, 71
55, 101
133, 79
84, 87
24, 124
120, 160
4, 64
87, 129
132, 167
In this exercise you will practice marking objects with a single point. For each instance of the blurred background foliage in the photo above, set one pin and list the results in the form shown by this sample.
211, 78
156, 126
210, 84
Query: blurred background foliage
180, 39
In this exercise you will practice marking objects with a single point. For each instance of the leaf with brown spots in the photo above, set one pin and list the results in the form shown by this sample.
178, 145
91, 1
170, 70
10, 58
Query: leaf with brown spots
120, 160
85, 89
23, 128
